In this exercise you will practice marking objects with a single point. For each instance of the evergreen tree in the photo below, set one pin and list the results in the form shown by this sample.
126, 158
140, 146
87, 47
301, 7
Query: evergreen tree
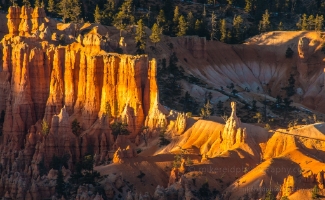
124, 17
319, 22
176, 15
175, 21
182, 26
97, 15
190, 24
51, 6
214, 25
311, 22
64, 10
140, 37
269, 196
199, 30
161, 20
265, 22
230, 2
237, 23
109, 12
155, 34
168, 10
302, 24
223, 30
26, 3
119, 128
60, 184
37, 3
314, 192
75, 11
45, 127
75, 127
248, 6
280, 27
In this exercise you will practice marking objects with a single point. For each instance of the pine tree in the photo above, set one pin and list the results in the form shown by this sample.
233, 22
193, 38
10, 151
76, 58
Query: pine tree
319, 22
161, 20
314, 192
214, 25
26, 3
75, 10
37, 3
237, 23
190, 23
45, 127
248, 6
140, 36
60, 184
311, 22
155, 34
208, 109
265, 22
124, 17
229, 2
182, 26
97, 15
64, 10
176, 15
280, 27
223, 30
108, 13
269, 196
51, 6
197, 27
302, 24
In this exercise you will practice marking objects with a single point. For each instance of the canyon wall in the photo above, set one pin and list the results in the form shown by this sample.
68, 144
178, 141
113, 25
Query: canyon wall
46, 83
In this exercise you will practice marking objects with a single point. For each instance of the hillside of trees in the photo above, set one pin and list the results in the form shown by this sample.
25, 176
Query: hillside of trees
230, 21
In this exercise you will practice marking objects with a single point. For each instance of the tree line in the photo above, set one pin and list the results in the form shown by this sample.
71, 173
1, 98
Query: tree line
167, 18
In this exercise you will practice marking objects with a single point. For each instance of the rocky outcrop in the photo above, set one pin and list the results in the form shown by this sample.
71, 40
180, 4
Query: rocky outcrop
288, 187
233, 133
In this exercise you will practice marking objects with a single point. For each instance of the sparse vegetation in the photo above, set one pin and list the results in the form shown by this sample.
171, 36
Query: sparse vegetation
162, 138
45, 128
76, 128
289, 52
119, 128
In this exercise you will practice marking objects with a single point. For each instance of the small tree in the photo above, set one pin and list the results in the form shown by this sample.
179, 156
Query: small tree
269, 195
119, 128
314, 192
155, 34
51, 6
265, 22
162, 138
258, 116
97, 15
182, 26
124, 17
45, 127
204, 191
289, 52
140, 37
37, 3
75, 127
60, 184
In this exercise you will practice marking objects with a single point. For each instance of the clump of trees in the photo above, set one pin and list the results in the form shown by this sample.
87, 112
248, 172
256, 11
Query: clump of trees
119, 128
